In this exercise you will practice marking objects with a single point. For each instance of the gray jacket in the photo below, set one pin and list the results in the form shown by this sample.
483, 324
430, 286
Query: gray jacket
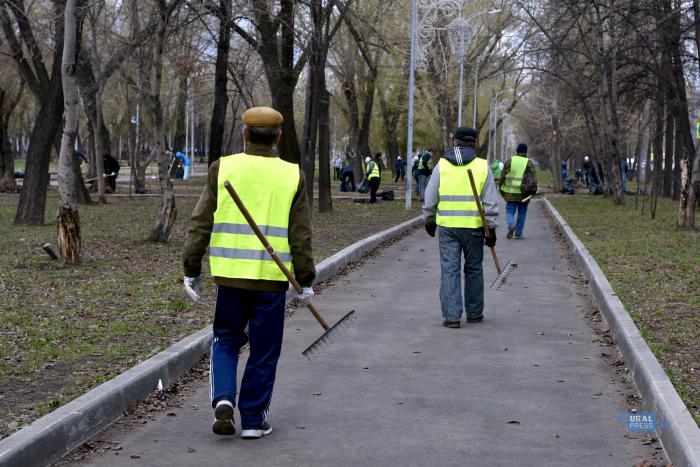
489, 195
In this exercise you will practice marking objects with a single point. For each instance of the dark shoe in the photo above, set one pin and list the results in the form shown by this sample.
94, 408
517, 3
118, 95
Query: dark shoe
475, 319
451, 324
518, 237
255, 433
511, 230
223, 423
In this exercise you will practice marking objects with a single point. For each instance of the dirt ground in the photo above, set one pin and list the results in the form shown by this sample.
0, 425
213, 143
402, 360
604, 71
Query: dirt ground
66, 329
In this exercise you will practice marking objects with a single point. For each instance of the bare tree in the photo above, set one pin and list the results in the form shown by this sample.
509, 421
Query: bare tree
168, 212
48, 92
68, 218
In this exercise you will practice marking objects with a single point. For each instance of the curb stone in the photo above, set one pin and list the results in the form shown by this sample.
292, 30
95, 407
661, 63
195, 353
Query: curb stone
71, 425
681, 437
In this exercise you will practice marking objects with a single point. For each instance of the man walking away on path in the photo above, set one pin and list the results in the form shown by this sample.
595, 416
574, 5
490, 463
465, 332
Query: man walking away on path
423, 173
399, 169
450, 204
518, 181
250, 287
373, 176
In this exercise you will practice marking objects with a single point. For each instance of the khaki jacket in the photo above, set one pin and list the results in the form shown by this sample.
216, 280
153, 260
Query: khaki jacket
202, 222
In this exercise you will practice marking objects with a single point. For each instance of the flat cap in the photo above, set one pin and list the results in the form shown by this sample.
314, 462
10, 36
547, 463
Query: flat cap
262, 116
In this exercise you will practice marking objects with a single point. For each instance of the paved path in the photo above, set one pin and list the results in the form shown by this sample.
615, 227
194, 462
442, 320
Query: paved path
399, 389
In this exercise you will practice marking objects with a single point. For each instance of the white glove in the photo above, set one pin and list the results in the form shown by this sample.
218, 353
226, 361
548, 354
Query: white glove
193, 286
307, 293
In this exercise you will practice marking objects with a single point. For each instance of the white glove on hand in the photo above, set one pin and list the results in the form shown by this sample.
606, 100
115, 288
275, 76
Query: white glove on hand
307, 293
193, 286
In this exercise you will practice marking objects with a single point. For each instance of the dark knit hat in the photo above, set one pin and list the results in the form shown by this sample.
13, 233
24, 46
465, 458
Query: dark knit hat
521, 149
465, 134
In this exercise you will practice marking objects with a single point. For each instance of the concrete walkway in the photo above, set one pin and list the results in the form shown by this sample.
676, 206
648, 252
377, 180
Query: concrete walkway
528, 386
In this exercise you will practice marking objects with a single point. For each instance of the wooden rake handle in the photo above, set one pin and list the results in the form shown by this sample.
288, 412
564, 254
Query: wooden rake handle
263, 239
487, 232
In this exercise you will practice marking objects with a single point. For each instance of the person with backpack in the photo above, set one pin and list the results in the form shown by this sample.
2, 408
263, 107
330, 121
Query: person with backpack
518, 181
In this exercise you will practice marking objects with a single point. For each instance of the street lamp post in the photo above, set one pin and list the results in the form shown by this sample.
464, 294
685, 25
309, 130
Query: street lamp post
411, 82
460, 30
476, 87
419, 57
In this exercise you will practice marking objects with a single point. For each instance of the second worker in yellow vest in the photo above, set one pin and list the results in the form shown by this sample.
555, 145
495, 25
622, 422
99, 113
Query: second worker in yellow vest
450, 204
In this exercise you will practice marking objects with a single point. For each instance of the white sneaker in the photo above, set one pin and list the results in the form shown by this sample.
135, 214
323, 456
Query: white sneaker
223, 419
264, 430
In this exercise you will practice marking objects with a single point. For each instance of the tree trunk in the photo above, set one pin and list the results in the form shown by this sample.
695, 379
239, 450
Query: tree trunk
168, 212
180, 112
7, 161
686, 206
68, 219
218, 116
32, 200
325, 201
308, 162
669, 140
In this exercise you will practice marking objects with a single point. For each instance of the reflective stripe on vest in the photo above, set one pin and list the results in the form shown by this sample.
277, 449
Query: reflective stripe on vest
375, 171
514, 178
457, 205
267, 186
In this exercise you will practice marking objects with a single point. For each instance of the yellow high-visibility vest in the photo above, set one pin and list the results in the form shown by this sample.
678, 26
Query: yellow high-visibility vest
514, 178
375, 171
267, 186
457, 205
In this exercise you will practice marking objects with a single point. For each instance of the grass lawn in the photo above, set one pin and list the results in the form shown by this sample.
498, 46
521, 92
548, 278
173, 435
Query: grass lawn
65, 329
654, 268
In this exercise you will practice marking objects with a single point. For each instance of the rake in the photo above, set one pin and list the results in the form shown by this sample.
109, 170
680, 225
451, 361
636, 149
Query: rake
502, 273
292, 280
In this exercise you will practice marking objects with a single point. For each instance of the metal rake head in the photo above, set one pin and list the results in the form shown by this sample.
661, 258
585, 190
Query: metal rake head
505, 272
344, 322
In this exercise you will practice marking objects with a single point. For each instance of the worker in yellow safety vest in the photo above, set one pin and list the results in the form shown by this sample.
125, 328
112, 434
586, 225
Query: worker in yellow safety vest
517, 182
373, 175
250, 287
451, 205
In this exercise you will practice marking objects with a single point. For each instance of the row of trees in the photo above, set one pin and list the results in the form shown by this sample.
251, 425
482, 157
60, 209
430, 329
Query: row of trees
611, 79
143, 69
606, 78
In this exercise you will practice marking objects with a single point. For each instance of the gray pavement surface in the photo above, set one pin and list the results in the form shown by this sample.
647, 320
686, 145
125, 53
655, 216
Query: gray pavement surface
528, 386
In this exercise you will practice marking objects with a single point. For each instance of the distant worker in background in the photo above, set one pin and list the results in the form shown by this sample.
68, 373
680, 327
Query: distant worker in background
347, 179
424, 173
373, 175
111, 170
624, 170
496, 169
186, 163
337, 166
414, 171
518, 181
399, 169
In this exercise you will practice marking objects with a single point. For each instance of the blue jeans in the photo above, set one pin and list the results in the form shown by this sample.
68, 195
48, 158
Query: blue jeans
511, 207
454, 243
263, 312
